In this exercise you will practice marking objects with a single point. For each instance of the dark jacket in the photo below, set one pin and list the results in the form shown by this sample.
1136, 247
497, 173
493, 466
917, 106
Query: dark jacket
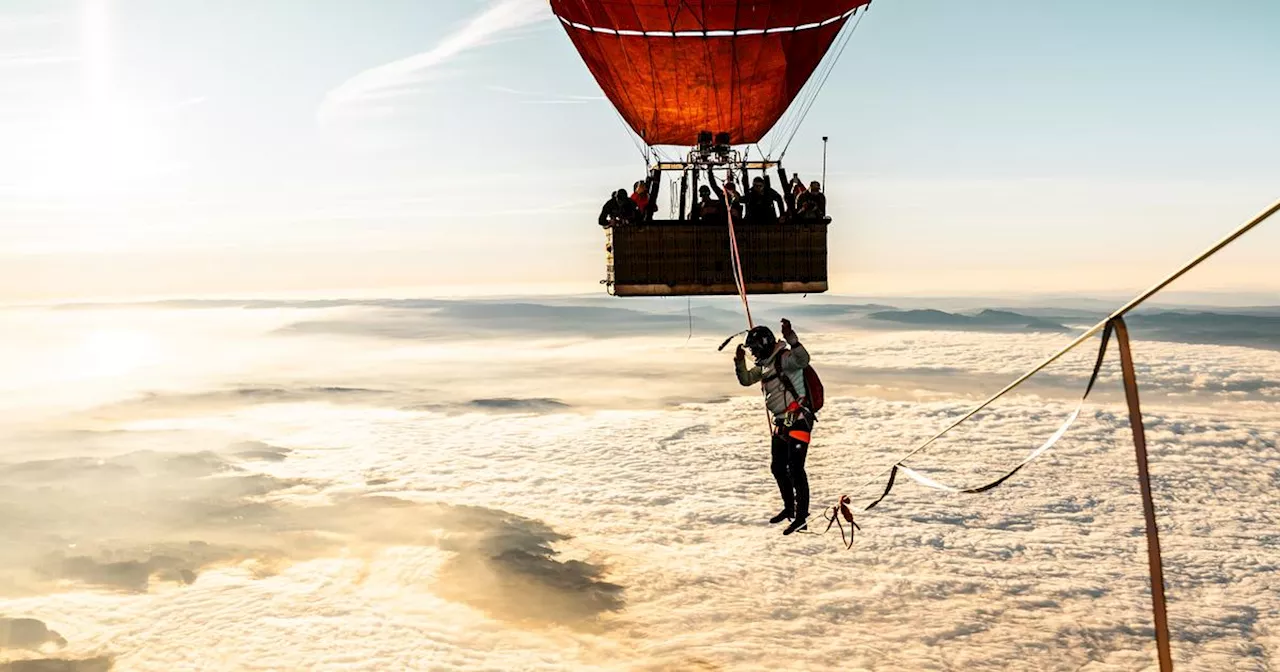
819, 199
624, 210
759, 205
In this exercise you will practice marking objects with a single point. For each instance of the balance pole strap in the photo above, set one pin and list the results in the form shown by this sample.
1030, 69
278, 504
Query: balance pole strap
1062, 430
1148, 507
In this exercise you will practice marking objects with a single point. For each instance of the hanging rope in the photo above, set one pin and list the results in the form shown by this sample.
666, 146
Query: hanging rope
689, 305
672, 199
738, 277
733, 248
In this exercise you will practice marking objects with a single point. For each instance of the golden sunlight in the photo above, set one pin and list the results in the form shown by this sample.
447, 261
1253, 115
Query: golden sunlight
109, 352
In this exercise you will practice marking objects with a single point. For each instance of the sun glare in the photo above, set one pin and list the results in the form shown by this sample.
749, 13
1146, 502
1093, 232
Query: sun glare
110, 352
105, 146
102, 152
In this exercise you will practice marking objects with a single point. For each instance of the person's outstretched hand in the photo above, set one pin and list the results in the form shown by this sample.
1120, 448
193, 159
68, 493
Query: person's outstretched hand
787, 332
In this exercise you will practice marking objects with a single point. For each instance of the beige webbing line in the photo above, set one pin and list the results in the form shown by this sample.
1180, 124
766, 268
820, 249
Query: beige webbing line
1148, 506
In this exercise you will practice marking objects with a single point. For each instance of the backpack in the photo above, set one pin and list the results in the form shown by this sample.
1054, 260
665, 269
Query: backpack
812, 385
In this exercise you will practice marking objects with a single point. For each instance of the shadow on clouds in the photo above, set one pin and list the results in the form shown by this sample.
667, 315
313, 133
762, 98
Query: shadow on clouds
128, 522
27, 633
98, 664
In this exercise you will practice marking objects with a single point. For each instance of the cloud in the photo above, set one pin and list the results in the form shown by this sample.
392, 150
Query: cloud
509, 404
257, 450
160, 404
391, 80
153, 406
511, 572
592, 354
541, 98
625, 536
112, 522
27, 633
494, 319
1045, 573
504, 564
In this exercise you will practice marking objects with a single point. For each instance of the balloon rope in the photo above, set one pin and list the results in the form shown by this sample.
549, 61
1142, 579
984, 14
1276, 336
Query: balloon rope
739, 280
737, 261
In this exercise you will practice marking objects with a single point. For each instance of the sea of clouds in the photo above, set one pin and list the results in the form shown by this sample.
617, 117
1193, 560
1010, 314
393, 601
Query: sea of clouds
579, 484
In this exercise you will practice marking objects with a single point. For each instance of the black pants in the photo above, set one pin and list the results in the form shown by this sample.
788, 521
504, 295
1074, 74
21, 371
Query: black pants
790, 445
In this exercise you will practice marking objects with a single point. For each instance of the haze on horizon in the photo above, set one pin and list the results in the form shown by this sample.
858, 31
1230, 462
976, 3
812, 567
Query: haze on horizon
183, 149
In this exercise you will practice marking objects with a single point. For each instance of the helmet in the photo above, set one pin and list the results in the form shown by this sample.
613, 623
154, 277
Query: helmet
761, 342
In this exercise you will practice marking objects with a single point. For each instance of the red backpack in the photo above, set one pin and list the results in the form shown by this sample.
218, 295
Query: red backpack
812, 385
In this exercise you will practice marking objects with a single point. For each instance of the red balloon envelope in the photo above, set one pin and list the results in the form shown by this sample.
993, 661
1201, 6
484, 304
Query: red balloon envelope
674, 68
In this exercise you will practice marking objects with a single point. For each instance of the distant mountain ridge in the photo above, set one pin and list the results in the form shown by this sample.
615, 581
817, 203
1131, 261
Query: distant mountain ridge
1256, 326
986, 320
1218, 328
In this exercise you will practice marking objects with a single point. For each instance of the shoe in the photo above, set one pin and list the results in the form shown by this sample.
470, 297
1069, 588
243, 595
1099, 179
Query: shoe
797, 525
782, 515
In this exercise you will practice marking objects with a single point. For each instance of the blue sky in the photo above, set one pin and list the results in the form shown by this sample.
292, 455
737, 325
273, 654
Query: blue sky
232, 147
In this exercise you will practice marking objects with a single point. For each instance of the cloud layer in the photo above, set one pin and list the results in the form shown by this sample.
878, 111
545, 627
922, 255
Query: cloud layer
534, 496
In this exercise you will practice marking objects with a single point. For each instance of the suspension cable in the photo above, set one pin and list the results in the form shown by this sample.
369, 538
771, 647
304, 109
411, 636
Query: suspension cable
807, 100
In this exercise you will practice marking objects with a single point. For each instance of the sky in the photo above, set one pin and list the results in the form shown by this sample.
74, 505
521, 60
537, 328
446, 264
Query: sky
184, 147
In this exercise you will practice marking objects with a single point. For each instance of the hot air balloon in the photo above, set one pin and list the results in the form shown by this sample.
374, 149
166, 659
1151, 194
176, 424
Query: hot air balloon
713, 77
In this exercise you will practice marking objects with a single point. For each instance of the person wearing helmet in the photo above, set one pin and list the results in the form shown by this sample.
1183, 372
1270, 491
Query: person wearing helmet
791, 422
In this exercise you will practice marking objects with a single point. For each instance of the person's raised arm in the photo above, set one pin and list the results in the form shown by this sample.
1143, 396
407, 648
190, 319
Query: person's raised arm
715, 188
652, 182
787, 195
798, 357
